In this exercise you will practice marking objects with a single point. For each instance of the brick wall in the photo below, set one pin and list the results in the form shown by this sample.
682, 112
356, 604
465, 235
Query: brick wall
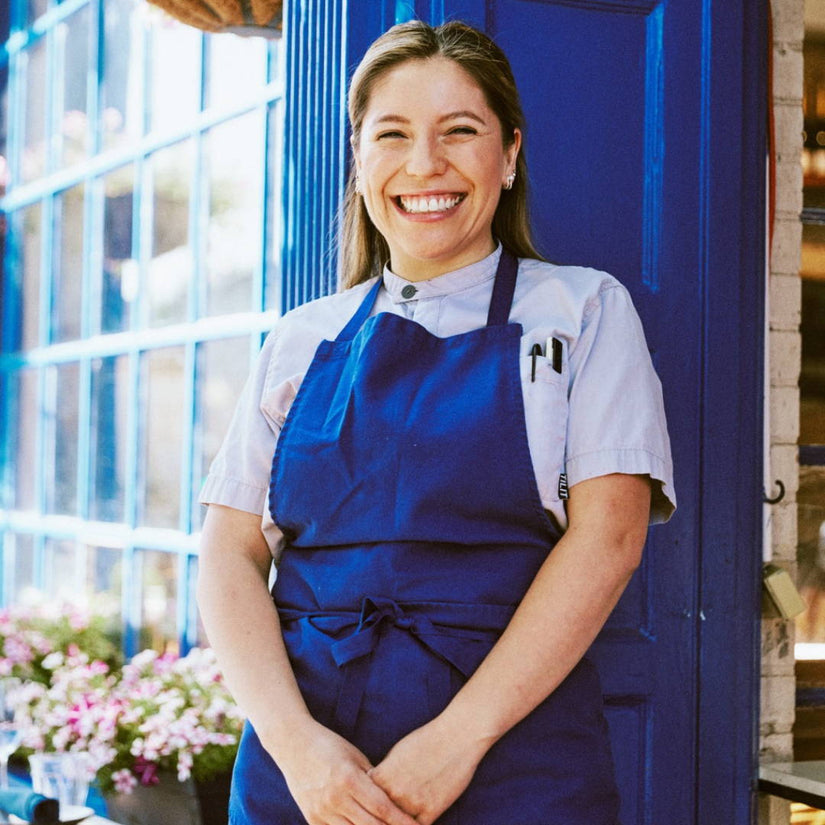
778, 682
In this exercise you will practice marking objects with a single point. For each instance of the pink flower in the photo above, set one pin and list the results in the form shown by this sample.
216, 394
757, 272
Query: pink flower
124, 780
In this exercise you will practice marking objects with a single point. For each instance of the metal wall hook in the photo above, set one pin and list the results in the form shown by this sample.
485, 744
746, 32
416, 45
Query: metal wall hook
777, 498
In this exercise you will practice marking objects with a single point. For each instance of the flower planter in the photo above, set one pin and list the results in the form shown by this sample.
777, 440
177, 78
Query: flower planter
171, 802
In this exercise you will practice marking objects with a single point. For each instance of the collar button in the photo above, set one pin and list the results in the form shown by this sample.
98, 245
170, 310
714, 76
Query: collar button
408, 291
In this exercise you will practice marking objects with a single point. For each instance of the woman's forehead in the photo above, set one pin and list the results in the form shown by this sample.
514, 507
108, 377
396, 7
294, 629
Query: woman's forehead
434, 85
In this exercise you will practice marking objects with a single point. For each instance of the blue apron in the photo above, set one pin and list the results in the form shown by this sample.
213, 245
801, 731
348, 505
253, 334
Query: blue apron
403, 483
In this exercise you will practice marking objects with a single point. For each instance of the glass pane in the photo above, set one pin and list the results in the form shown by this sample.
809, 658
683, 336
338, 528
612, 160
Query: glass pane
163, 410
104, 578
170, 270
810, 625
121, 84
120, 271
109, 437
158, 613
63, 576
24, 431
272, 262
22, 545
236, 68
34, 139
36, 8
235, 155
75, 63
222, 368
68, 265
29, 238
61, 483
174, 69
812, 378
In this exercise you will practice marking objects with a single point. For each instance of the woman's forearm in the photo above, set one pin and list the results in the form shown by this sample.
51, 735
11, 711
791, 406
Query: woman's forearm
243, 627
568, 603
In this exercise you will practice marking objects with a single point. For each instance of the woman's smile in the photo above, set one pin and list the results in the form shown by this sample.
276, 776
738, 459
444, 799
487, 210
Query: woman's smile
432, 161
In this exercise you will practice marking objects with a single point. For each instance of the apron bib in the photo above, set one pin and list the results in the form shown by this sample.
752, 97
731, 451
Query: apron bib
403, 483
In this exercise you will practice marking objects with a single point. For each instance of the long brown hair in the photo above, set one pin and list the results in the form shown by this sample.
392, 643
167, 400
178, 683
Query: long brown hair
363, 249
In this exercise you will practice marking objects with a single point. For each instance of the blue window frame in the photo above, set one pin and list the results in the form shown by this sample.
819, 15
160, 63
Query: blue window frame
143, 174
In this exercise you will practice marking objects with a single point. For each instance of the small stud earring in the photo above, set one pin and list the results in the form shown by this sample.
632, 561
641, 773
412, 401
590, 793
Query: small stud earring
510, 180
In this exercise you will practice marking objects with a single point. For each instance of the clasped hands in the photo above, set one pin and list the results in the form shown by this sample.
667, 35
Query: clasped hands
333, 783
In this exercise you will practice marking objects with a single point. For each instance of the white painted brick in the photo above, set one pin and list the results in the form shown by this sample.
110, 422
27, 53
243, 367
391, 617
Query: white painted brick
788, 124
787, 246
777, 647
786, 358
787, 72
786, 302
776, 747
789, 187
773, 811
784, 415
778, 704
788, 21
783, 526
785, 467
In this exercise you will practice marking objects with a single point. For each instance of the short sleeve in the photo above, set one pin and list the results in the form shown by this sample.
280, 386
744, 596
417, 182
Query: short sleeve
616, 421
239, 474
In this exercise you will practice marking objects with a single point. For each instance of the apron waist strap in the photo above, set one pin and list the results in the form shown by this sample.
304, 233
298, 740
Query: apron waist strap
448, 630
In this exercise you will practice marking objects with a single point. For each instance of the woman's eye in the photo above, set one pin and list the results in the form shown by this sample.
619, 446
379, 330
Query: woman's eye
390, 135
463, 130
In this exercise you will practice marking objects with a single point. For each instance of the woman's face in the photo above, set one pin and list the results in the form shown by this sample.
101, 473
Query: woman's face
432, 163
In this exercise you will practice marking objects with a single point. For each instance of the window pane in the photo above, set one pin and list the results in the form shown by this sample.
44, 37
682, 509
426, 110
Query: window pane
272, 264
36, 8
24, 445
811, 553
109, 444
34, 139
158, 613
170, 270
163, 397
221, 376
812, 378
22, 546
120, 99
62, 493
120, 271
104, 577
75, 63
29, 238
236, 68
235, 154
68, 265
174, 70
63, 578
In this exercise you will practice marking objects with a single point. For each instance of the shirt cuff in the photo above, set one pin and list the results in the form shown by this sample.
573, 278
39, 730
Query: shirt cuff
632, 461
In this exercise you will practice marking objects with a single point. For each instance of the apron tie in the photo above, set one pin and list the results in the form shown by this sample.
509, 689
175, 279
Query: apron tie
352, 653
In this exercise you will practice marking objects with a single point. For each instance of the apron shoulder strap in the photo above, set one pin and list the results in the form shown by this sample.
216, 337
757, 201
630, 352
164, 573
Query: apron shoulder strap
361, 314
503, 290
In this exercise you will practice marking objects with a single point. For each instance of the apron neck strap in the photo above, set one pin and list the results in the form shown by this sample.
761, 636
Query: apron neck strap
503, 290
498, 315
361, 314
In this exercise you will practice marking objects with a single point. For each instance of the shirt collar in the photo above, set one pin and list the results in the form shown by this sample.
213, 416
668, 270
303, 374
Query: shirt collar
401, 290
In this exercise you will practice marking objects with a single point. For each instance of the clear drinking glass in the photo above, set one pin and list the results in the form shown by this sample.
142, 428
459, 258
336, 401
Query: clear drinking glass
10, 732
60, 776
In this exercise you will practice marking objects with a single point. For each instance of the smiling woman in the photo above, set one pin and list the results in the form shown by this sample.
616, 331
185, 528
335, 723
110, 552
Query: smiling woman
410, 451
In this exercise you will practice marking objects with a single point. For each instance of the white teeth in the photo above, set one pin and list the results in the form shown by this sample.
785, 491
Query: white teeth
433, 204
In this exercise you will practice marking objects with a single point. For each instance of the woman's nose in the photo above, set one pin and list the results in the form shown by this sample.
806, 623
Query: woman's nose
426, 158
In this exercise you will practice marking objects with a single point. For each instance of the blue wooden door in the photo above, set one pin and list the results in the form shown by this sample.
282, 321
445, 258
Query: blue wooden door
645, 143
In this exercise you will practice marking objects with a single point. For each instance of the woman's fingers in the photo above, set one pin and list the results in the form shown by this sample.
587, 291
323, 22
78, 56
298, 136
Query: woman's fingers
328, 778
